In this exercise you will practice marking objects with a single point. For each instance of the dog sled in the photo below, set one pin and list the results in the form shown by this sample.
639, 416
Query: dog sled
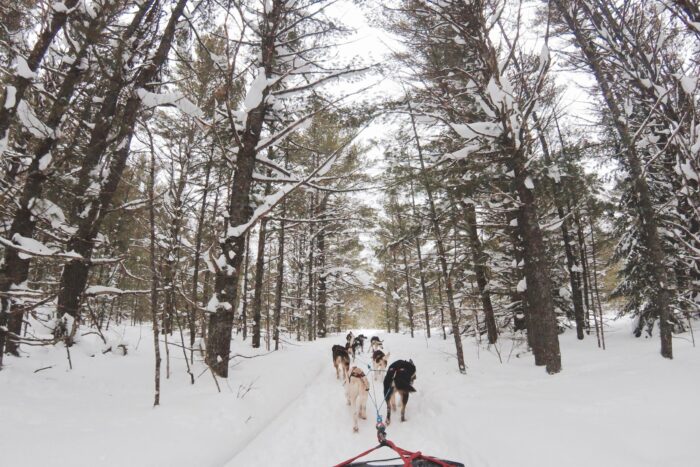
405, 458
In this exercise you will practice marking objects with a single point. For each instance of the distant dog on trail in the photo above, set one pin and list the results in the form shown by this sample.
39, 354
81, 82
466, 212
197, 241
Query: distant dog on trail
375, 344
356, 391
379, 362
398, 381
359, 342
349, 339
355, 349
341, 361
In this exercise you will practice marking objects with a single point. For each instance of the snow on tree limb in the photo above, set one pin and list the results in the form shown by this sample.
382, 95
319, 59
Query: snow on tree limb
274, 199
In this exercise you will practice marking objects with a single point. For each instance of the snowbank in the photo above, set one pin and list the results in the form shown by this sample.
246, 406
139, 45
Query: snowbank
622, 407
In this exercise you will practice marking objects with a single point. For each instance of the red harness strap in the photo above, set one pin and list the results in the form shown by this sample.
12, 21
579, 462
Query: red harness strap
406, 456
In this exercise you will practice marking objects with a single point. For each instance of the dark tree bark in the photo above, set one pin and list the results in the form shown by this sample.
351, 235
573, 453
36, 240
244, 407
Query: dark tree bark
172, 255
479, 259
244, 298
311, 273
75, 273
198, 253
421, 270
154, 275
542, 321
409, 299
279, 284
595, 284
15, 268
437, 232
233, 246
406, 271
258, 286
571, 266
322, 316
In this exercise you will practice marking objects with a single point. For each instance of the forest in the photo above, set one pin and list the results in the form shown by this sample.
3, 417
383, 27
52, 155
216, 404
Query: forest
222, 182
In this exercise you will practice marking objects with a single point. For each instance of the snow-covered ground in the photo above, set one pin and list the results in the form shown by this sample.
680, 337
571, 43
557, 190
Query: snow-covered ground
625, 406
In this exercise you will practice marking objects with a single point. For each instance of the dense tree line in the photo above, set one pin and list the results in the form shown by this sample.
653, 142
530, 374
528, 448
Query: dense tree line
196, 165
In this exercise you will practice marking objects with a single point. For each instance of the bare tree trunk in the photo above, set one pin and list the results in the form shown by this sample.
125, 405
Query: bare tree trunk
479, 259
442, 311
388, 301
441, 252
154, 277
595, 283
279, 285
406, 271
259, 275
423, 288
396, 302
571, 266
311, 272
244, 291
322, 318
300, 286
198, 253
587, 286
172, 255
407, 278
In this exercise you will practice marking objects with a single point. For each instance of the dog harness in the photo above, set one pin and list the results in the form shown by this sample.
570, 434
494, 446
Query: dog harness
358, 373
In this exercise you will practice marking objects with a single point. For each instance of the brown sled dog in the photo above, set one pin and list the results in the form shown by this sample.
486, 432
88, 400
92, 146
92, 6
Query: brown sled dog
341, 361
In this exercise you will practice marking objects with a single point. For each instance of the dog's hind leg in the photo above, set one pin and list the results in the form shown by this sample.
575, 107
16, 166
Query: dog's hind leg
388, 399
354, 408
404, 402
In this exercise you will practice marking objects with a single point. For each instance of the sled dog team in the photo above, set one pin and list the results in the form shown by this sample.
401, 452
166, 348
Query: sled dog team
398, 377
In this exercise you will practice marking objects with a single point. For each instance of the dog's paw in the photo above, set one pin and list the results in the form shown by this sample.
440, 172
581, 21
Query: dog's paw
355, 429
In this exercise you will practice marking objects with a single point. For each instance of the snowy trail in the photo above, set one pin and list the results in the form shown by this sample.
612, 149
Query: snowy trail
625, 407
317, 429
605, 412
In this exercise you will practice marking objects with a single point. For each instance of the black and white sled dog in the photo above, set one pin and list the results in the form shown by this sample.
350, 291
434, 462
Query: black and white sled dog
341, 361
379, 363
358, 345
375, 344
349, 338
398, 382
